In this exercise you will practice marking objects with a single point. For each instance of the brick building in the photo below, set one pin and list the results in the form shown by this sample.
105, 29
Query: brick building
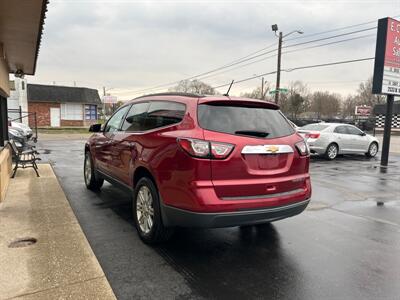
57, 106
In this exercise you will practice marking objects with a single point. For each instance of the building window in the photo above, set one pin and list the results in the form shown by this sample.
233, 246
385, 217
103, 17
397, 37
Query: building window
71, 111
90, 112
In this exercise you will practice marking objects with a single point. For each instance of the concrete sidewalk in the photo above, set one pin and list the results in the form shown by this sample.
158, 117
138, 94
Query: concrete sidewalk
61, 263
394, 143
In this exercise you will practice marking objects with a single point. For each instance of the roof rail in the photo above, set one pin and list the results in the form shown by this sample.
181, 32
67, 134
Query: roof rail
173, 94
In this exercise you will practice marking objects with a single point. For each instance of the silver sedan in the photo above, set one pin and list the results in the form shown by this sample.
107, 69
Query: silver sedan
332, 139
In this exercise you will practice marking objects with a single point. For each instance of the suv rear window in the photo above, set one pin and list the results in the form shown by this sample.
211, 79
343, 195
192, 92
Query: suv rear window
243, 120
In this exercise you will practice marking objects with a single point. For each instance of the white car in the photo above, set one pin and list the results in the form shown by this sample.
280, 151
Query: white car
27, 131
332, 139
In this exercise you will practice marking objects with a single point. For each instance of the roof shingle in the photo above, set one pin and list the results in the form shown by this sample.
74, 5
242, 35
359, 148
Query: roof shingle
62, 94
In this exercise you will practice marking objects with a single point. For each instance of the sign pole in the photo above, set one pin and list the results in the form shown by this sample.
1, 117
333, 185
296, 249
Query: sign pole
386, 78
387, 130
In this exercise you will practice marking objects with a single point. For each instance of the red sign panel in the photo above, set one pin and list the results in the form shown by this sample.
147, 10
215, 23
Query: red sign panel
387, 58
392, 54
364, 111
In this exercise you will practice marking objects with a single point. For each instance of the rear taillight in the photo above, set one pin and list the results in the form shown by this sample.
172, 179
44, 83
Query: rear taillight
312, 135
205, 149
302, 148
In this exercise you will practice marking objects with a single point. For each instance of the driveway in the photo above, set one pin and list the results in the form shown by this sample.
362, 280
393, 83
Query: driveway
343, 246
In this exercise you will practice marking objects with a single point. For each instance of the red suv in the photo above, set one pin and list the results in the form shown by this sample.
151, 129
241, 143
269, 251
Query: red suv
200, 161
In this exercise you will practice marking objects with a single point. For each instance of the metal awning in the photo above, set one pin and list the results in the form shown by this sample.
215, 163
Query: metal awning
21, 25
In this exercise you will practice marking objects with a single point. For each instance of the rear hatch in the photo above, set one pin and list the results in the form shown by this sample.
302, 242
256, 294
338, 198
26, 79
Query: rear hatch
265, 162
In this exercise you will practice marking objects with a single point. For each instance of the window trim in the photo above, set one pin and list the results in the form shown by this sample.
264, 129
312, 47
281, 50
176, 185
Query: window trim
91, 108
157, 128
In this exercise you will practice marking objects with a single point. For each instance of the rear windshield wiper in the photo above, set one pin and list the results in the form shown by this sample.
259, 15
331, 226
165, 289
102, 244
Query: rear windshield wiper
252, 133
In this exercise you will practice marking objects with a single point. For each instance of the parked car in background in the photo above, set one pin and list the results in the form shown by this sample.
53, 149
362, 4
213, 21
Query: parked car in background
332, 139
17, 136
26, 130
200, 161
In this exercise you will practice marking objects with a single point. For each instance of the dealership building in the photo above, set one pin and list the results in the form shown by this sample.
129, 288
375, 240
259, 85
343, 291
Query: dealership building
380, 111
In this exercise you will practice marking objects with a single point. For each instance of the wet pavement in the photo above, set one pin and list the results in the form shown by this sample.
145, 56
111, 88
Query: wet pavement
344, 246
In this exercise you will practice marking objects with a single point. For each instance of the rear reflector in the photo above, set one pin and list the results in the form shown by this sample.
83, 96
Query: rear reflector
205, 149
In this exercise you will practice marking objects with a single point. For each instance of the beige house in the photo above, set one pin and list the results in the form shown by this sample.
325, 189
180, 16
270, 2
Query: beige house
21, 29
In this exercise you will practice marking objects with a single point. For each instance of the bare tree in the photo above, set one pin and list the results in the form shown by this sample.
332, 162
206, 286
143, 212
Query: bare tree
193, 86
325, 104
365, 96
349, 106
295, 101
257, 93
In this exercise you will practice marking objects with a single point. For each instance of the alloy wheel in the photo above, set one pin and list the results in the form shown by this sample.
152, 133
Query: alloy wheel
332, 151
88, 169
144, 209
373, 149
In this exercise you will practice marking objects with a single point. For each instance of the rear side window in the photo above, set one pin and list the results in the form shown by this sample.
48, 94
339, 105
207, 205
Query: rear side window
154, 114
242, 120
353, 130
341, 130
136, 117
163, 113
317, 127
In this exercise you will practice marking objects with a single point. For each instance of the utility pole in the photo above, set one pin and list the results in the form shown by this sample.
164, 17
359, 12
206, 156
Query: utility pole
104, 102
262, 88
278, 69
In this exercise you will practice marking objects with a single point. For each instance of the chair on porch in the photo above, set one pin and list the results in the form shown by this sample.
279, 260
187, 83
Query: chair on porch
25, 158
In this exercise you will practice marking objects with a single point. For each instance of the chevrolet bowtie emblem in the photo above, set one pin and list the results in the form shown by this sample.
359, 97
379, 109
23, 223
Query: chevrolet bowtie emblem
272, 149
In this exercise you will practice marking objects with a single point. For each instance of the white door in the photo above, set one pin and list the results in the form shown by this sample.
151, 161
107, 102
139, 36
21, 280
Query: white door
54, 117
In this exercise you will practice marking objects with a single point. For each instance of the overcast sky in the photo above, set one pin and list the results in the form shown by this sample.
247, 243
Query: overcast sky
128, 46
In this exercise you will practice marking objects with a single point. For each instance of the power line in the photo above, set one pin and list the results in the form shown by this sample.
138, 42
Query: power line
291, 51
330, 43
247, 58
328, 64
335, 29
251, 56
329, 37
202, 75
299, 68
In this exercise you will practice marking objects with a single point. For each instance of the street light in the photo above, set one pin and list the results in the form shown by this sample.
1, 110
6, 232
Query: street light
278, 71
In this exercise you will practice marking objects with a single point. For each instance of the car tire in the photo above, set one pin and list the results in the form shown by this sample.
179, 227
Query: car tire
147, 213
372, 150
331, 151
92, 181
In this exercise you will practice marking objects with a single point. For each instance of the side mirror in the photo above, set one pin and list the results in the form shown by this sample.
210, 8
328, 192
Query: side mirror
95, 128
363, 133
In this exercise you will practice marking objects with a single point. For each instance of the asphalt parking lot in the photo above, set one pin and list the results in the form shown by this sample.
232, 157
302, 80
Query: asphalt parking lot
343, 246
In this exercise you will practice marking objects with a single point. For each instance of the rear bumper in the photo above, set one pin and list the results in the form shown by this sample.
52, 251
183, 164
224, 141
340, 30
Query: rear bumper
183, 218
317, 150
316, 146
